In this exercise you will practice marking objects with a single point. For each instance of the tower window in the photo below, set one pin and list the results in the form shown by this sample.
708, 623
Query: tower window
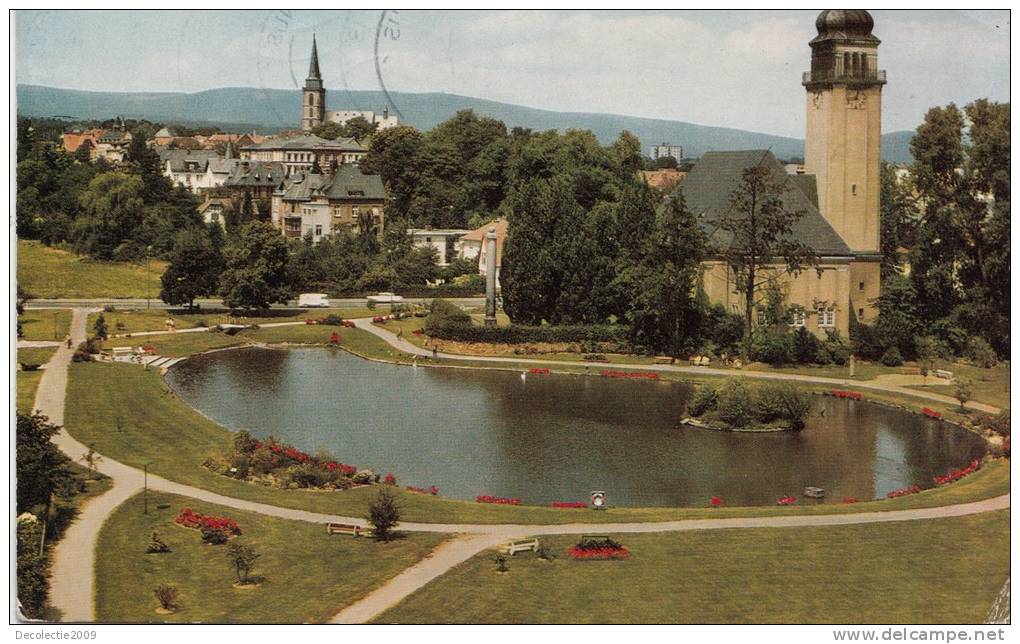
860, 313
860, 286
853, 189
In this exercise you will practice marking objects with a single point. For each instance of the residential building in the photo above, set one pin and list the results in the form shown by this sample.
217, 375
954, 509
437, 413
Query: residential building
214, 209
189, 168
666, 150
298, 154
313, 103
321, 204
109, 145
445, 241
257, 178
472, 244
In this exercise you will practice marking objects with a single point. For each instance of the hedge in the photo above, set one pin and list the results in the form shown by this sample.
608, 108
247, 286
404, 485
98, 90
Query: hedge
520, 333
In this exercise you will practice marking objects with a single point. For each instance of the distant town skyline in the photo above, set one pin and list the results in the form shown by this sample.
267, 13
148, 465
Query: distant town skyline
737, 69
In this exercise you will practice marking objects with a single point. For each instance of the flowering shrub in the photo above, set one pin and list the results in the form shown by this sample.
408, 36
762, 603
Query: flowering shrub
190, 519
539, 370
716, 502
849, 499
389, 479
904, 491
956, 475
418, 332
310, 321
378, 319
588, 549
786, 500
569, 504
931, 413
349, 324
627, 374
852, 395
498, 500
294, 455
433, 490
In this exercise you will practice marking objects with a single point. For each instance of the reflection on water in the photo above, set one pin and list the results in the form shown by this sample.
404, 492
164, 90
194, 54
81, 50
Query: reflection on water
556, 438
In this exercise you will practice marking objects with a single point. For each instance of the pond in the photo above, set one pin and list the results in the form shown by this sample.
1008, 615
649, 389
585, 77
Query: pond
545, 438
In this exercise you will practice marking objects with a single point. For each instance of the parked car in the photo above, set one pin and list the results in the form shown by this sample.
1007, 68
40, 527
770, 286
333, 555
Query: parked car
313, 300
384, 298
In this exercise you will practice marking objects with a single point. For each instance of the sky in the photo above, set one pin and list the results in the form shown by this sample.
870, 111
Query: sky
738, 69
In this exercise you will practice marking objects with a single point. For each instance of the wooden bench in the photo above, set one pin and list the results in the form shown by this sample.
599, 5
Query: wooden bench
663, 360
700, 361
942, 373
514, 547
348, 528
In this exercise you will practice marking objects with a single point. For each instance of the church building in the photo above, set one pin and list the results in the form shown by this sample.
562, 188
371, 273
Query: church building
838, 193
313, 103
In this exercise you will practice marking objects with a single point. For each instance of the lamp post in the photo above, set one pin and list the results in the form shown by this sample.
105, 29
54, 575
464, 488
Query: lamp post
145, 487
148, 276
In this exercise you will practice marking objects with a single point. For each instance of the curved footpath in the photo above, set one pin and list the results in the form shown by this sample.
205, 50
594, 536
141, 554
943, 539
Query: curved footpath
73, 579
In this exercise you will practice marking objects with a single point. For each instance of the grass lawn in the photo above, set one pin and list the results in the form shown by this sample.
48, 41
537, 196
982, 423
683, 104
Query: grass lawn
137, 320
52, 273
45, 324
27, 384
988, 385
945, 571
131, 415
38, 355
308, 575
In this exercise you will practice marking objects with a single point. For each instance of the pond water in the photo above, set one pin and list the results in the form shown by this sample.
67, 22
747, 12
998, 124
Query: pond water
550, 438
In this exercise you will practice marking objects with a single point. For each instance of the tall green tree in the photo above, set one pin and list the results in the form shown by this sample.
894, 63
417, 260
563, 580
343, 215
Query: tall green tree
112, 208
194, 269
759, 237
41, 469
256, 268
897, 218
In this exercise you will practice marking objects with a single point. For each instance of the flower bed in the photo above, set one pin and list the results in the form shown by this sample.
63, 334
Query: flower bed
849, 499
296, 455
956, 475
569, 504
433, 490
630, 374
716, 502
498, 500
841, 393
596, 549
418, 332
904, 491
931, 413
379, 319
786, 500
349, 324
539, 370
190, 519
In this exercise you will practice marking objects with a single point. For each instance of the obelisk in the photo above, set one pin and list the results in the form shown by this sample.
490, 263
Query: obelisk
490, 278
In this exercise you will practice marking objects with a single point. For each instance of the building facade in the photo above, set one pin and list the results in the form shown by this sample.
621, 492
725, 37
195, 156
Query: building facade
445, 241
319, 204
298, 154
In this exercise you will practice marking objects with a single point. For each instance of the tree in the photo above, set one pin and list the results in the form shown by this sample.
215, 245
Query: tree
328, 130
256, 268
91, 458
194, 269
897, 217
242, 558
100, 327
927, 354
112, 211
384, 515
167, 596
40, 467
962, 391
758, 228
359, 128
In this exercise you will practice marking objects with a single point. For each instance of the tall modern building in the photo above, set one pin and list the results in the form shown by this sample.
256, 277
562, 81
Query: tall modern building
843, 139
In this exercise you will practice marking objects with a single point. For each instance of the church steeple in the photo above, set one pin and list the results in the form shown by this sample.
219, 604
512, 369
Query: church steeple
313, 98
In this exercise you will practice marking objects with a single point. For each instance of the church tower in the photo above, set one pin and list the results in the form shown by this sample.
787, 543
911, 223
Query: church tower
313, 99
842, 145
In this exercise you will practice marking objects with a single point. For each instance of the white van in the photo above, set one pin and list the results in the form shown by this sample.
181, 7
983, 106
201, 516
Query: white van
313, 300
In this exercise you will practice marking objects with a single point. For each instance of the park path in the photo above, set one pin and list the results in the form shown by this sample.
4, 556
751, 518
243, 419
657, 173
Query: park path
73, 579
407, 347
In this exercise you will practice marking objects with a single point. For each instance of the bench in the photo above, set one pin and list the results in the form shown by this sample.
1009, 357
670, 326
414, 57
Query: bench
663, 360
348, 528
911, 371
514, 547
700, 361
942, 373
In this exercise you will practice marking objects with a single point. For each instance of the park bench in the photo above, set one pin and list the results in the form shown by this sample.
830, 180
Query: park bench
595, 357
348, 528
514, 547
663, 360
942, 373
700, 361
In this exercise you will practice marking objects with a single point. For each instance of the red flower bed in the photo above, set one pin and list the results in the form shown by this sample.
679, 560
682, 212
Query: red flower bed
588, 549
786, 500
904, 491
349, 324
310, 321
569, 504
298, 456
190, 519
716, 502
628, 374
389, 479
849, 499
418, 332
378, 319
433, 490
539, 370
498, 500
931, 413
956, 475
841, 393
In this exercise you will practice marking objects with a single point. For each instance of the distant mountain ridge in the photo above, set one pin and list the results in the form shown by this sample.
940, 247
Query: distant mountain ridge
275, 109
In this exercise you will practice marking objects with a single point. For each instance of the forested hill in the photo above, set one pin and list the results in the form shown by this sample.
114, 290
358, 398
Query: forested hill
273, 109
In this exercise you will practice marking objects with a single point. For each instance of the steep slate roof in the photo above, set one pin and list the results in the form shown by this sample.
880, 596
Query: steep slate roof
347, 183
178, 158
256, 173
309, 142
708, 187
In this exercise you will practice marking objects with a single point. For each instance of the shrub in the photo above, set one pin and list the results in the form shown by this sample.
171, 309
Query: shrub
214, 536
166, 595
736, 406
773, 347
86, 350
33, 583
306, 475
963, 390
244, 442
242, 558
805, 346
383, 514
239, 466
785, 402
263, 460
836, 347
363, 477
332, 319
724, 328
109, 308
501, 562
27, 366
980, 353
866, 342
998, 424
157, 545
201, 323
705, 400
892, 357
217, 464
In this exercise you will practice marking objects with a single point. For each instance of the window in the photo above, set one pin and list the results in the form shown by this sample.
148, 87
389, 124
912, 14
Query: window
826, 316
860, 286
860, 313
853, 189
318, 230
762, 318
797, 317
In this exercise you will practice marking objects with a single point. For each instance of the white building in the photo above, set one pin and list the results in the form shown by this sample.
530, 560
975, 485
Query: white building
472, 245
445, 241
666, 150
381, 121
